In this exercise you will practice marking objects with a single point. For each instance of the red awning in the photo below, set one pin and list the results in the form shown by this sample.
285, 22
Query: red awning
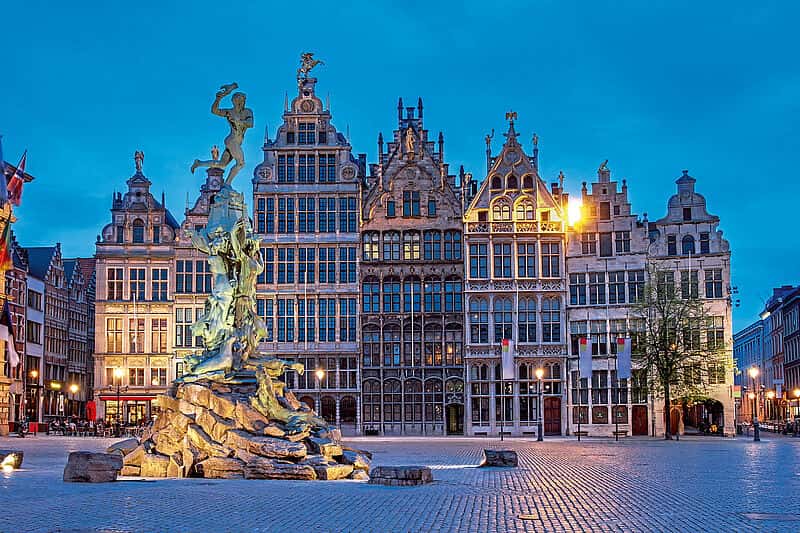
124, 398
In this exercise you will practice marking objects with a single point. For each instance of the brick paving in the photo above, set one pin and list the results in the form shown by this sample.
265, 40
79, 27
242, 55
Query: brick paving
700, 484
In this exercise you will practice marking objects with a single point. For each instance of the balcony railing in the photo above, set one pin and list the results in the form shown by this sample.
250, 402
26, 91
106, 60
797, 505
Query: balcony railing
527, 226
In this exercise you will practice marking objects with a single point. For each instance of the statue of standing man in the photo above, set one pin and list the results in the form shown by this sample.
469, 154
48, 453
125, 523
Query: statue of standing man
240, 119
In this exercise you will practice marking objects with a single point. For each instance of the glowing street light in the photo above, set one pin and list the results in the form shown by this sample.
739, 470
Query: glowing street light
753, 371
540, 432
320, 373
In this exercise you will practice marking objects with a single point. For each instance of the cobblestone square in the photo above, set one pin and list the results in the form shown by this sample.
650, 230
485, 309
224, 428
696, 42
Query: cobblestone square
710, 484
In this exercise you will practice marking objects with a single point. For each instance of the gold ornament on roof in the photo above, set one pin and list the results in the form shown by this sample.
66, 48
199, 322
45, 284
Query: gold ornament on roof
307, 62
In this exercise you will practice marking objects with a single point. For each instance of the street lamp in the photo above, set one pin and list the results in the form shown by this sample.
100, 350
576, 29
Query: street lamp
753, 371
771, 398
794, 418
74, 390
320, 376
118, 373
539, 376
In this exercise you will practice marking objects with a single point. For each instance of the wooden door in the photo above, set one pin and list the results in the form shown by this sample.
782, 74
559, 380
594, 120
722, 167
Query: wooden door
639, 420
552, 416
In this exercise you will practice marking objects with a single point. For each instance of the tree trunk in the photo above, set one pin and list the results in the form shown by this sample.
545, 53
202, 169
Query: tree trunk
667, 414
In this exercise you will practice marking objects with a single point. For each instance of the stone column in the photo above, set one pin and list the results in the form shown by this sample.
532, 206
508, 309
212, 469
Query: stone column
338, 416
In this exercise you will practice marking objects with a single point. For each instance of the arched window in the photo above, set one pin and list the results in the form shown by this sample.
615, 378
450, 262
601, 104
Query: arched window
527, 182
371, 246
524, 211
391, 295
453, 295
412, 292
453, 344
371, 293
478, 320
371, 346
526, 320
497, 183
392, 400
371, 403
413, 400
391, 246
452, 245
434, 400
551, 320
138, 231
412, 344
502, 319
505, 212
432, 245
687, 245
433, 344
433, 295
411, 250
512, 182
328, 409
347, 410
528, 394
391, 345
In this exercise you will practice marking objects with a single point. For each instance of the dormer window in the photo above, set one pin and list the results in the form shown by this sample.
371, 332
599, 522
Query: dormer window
544, 216
605, 211
687, 245
527, 182
497, 183
306, 133
512, 182
138, 231
156, 234
687, 214
289, 137
120, 234
705, 242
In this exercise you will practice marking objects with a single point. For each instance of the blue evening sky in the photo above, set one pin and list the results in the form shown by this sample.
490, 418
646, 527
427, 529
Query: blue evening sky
655, 87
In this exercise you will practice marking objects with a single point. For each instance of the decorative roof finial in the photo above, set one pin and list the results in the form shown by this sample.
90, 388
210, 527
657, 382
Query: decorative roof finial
138, 159
511, 116
488, 139
215, 153
535, 140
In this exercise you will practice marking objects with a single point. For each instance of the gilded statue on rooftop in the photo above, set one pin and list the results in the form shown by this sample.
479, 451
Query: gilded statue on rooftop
240, 119
307, 62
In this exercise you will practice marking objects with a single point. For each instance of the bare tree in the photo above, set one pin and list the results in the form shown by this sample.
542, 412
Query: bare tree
672, 345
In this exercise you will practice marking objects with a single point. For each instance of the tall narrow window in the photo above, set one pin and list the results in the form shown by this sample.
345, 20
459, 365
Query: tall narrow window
431, 207
687, 245
433, 296
478, 261
411, 245
713, 283
452, 245
623, 241
114, 335
410, 203
138, 231
502, 259
370, 296
432, 246
158, 335
689, 284
115, 283
597, 288
391, 295
412, 295
159, 284
705, 242
606, 249
526, 259
371, 246
616, 287
479, 320
577, 289
391, 246
305, 215
453, 295
327, 264
672, 246
137, 280
136, 335
306, 133
285, 168
551, 257
202, 277
588, 243
306, 168
526, 320
551, 320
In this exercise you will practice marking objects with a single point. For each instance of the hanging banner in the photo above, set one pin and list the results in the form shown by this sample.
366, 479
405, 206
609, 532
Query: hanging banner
624, 358
585, 353
508, 359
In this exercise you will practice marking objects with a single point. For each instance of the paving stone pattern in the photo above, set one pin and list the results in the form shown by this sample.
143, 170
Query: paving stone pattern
710, 484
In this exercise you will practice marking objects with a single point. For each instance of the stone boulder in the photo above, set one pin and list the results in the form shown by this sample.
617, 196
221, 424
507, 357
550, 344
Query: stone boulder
265, 446
131, 471
88, 467
214, 425
135, 457
324, 446
200, 440
221, 468
123, 447
400, 476
12, 457
154, 465
334, 471
504, 458
359, 475
358, 460
272, 469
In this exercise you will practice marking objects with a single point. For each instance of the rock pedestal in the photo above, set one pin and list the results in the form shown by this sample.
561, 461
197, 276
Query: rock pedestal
212, 430
12, 457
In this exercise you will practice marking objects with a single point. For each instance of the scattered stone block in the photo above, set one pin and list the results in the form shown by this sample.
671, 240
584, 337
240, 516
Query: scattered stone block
249, 419
12, 457
504, 458
154, 465
135, 457
271, 469
359, 475
167, 403
400, 476
221, 468
200, 440
88, 467
214, 425
165, 444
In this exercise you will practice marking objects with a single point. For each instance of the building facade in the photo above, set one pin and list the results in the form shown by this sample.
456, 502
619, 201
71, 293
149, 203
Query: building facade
76, 386
749, 349
34, 348
412, 278
134, 305
606, 265
515, 236
689, 249
306, 196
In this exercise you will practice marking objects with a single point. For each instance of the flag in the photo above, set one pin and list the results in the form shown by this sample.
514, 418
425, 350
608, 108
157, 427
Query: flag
623, 358
508, 359
16, 181
7, 334
585, 353
6, 262
4, 184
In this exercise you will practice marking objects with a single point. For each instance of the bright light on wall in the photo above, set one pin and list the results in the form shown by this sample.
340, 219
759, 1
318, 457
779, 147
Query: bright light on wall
574, 210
